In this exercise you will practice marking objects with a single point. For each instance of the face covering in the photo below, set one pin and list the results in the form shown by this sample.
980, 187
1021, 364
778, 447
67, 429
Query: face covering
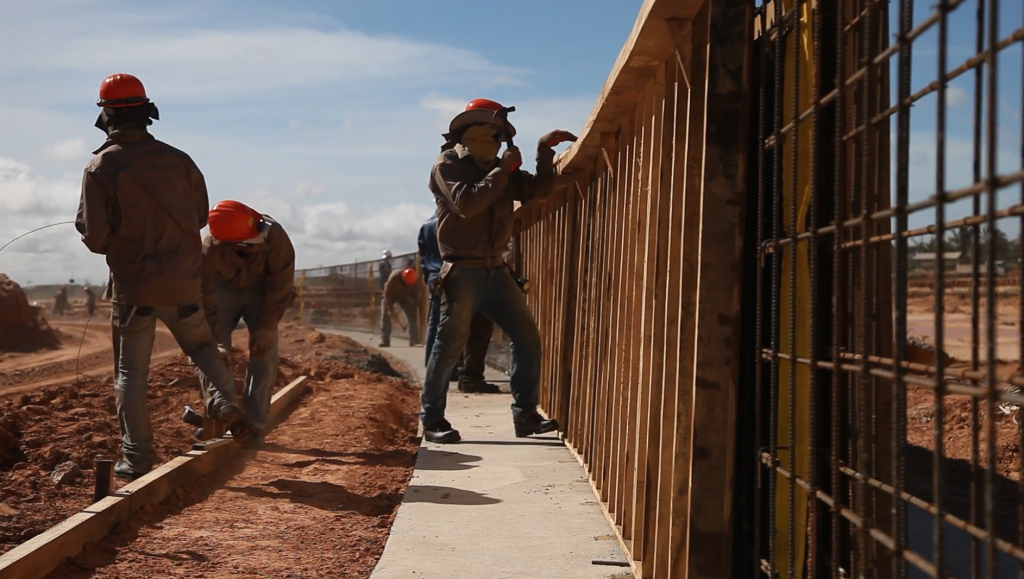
479, 141
140, 116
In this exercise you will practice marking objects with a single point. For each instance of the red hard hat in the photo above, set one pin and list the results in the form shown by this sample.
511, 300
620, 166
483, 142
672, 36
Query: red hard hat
479, 112
409, 276
233, 222
121, 90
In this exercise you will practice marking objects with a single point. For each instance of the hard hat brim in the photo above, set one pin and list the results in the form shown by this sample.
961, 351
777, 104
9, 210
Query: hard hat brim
466, 119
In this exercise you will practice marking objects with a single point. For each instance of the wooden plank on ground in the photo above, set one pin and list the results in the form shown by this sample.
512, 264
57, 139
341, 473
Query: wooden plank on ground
38, 556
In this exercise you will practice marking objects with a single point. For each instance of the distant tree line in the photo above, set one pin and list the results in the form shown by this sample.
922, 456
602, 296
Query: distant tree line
962, 240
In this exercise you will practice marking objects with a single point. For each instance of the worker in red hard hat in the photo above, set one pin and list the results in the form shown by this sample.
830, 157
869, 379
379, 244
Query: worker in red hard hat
405, 288
474, 190
143, 205
248, 274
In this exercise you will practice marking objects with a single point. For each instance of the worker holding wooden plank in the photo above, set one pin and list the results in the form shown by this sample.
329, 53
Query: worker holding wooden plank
475, 191
248, 274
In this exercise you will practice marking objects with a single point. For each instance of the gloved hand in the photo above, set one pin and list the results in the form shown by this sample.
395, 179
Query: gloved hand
511, 159
261, 341
556, 137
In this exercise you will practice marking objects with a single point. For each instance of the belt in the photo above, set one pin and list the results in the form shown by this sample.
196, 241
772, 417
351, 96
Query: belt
476, 262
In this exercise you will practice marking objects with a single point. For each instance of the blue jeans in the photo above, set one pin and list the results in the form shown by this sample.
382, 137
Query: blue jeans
134, 349
235, 304
494, 293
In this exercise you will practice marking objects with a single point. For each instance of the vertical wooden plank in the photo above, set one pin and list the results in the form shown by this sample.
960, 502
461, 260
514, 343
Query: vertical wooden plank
638, 378
570, 303
674, 415
716, 368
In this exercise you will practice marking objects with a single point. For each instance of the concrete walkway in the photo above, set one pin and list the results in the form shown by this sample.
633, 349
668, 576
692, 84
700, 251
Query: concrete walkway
495, 506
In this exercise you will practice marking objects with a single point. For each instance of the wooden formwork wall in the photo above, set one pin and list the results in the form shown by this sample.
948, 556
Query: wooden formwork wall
635, 266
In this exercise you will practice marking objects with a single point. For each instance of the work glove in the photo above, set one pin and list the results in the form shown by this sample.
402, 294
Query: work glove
261, 341
556, 137
511, 159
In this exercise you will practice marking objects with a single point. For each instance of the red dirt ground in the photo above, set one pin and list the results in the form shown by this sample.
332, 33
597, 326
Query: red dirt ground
21, 328
317, 501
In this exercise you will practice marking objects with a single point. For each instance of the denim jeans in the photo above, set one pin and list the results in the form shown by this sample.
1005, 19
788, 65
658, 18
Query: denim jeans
494, 293
474, 358
410, 315
134, 331
235, 304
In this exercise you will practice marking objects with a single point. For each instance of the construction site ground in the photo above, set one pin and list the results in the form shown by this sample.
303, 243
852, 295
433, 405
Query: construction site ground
317, 501
494, 505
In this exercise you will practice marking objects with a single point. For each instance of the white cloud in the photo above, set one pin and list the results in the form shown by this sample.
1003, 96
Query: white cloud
69, 150
956, 96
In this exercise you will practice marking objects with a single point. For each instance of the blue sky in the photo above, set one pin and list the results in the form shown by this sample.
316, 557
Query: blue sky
960, 108
325, 114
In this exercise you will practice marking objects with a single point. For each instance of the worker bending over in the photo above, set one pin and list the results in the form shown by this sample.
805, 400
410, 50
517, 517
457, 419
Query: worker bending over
248, 274
404, 288
474, 192
143, 204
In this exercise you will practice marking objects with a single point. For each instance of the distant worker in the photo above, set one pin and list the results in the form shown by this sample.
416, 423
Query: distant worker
474, 192
248, 274
469, 370
406, 289
60, 301
143, 204
384, 269
90, 300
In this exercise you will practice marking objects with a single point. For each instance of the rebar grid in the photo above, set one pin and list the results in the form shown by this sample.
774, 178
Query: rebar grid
843, 489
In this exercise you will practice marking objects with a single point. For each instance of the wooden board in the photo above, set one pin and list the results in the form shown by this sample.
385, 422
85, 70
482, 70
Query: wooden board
38, 556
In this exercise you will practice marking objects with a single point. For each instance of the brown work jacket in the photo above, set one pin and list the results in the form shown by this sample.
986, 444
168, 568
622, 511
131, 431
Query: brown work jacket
142, 206
475, 206
268, 267
396, 291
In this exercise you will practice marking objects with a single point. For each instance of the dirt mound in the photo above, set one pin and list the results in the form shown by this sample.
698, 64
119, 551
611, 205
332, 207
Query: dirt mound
22, 326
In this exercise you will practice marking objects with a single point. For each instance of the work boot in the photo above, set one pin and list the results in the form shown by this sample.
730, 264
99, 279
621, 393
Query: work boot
240, 428
199, 434
534, 424
256, 441
192, 417
384, 344
478, 387
125, 471
441, 431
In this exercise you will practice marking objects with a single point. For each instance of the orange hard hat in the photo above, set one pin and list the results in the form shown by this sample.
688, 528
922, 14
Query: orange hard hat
482, 112
409, 276
121, 90
234, 222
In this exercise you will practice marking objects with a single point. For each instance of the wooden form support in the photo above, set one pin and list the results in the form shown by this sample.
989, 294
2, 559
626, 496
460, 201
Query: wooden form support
641, 341
40, 555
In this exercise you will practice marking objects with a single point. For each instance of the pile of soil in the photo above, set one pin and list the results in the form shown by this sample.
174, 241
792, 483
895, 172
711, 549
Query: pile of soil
78, 423
317, 501
22, 327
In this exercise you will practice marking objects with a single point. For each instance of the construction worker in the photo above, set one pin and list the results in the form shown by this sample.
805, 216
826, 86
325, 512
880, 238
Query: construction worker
60, 301
143, 204
403, 288
474, 191
248, 274
90, 300
384, 269
469, 370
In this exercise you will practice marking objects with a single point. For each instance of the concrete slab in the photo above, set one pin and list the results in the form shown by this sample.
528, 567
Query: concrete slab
495, 506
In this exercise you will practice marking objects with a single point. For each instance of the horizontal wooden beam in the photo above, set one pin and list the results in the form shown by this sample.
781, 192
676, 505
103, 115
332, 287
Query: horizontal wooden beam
649, 44
42, 554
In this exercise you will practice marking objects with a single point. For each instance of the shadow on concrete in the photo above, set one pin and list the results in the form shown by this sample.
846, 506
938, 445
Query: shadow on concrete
433, 459
447, 496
